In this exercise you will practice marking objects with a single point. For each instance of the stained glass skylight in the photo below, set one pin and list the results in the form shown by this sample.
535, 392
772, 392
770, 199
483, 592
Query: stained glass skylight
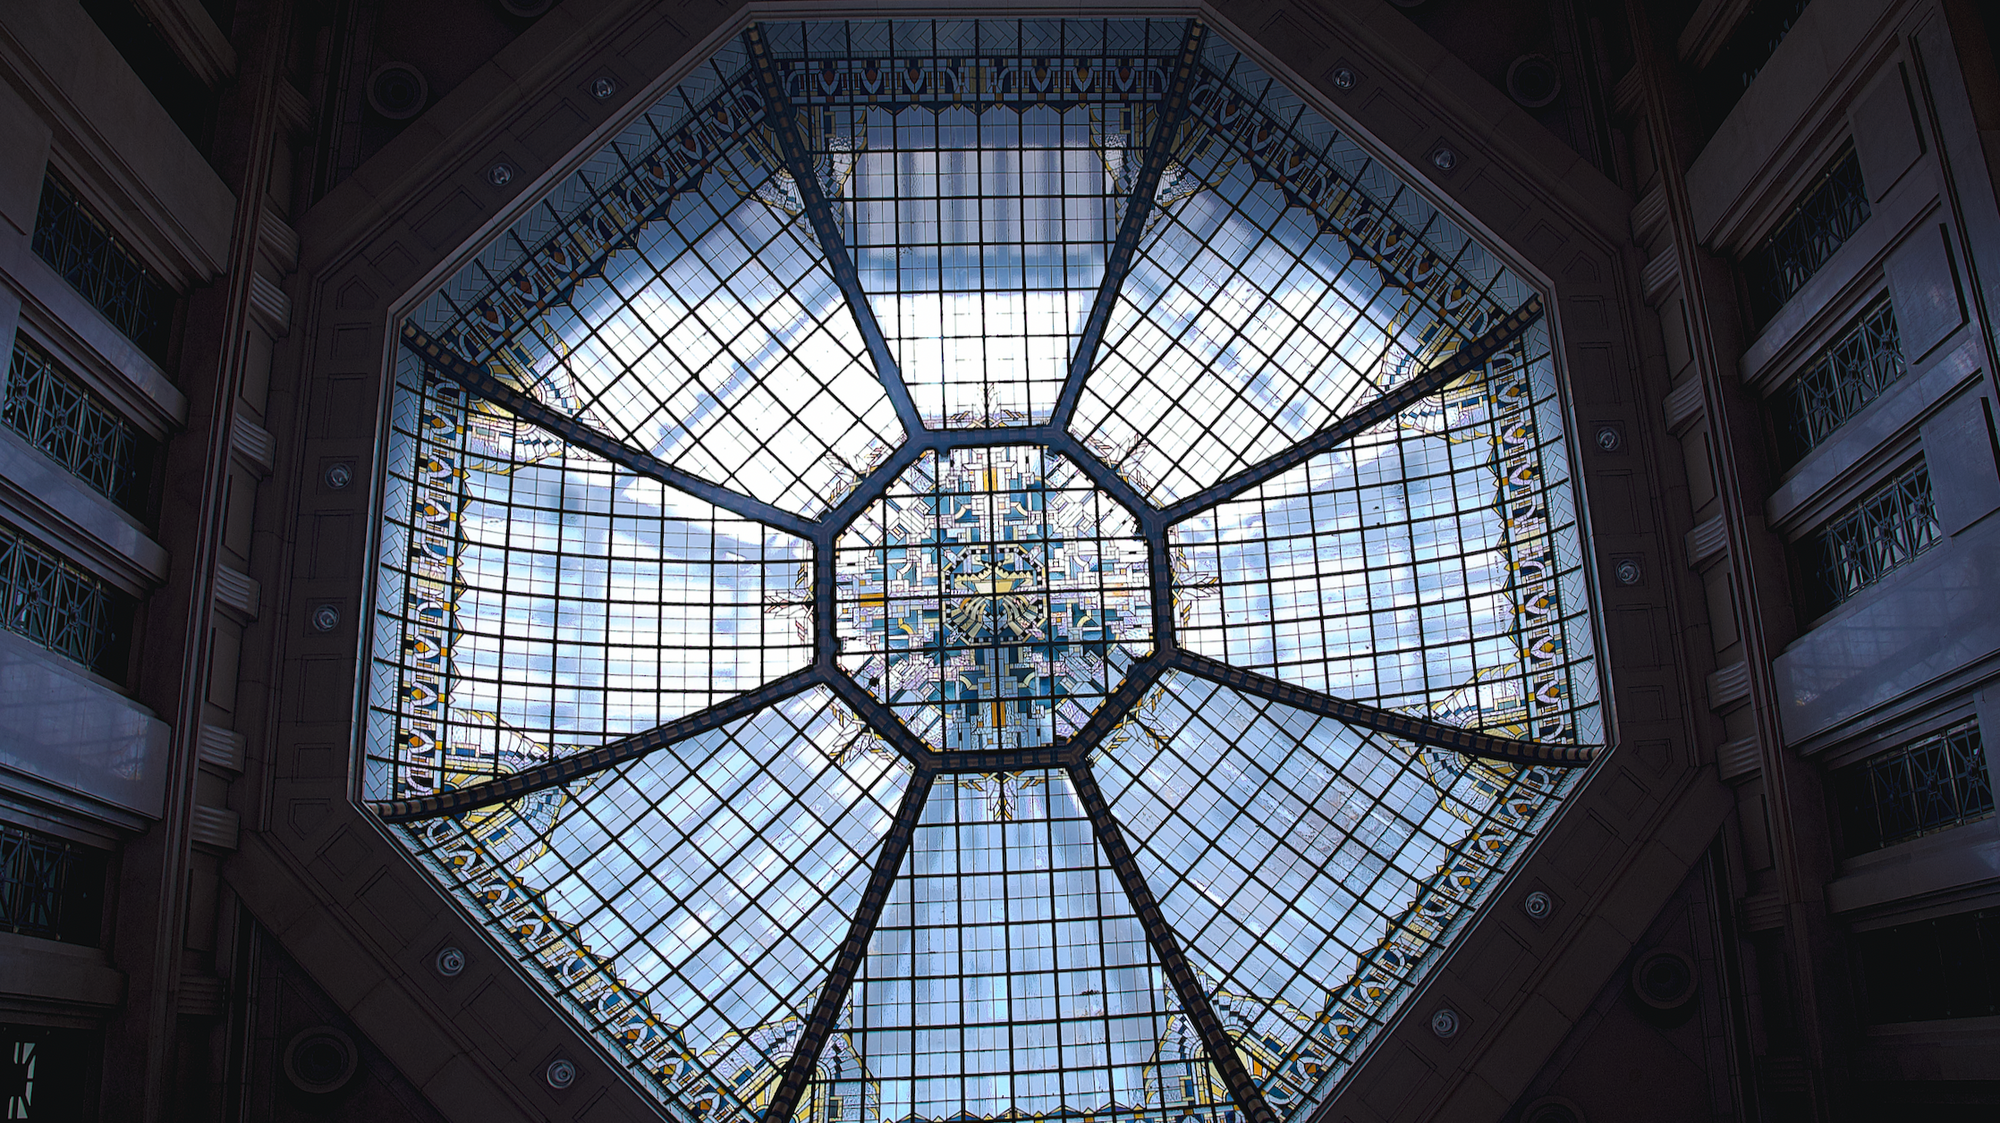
963, 569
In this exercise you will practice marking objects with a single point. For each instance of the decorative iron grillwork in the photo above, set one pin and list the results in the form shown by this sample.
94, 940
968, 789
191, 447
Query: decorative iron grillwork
59, 416
80, 246
50, 887
1852, 371
1832, 209
1927, 785
62, 608
1881, 532
1932, 969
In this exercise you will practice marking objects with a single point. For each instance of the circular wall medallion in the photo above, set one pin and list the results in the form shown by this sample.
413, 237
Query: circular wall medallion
338, 476
398, 91
320, 1060
561, 1073
1664, 978
1444, 1023
1533, 81
325, 618
1538, 905
450, 962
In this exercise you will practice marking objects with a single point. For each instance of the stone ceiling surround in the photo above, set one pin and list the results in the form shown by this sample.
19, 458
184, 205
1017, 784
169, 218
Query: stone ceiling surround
346, 901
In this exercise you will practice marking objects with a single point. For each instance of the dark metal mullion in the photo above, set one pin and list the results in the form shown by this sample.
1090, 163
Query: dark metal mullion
564, 769
792, 150
847, 961
1423, 731
1139, 207
485, 385
1463, 361
1166, 948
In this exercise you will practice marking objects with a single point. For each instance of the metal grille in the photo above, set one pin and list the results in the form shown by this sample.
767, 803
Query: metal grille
1882, 531
1850, 373
1927, 785
60, 607
80, 246
1832, 209
49, 887
57, 415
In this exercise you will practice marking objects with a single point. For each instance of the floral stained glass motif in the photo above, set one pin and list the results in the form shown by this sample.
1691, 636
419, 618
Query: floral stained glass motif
992, 597
979, 569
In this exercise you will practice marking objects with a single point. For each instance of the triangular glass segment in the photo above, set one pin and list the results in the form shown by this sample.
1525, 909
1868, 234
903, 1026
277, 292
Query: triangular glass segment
533, 601
1433, 564
1311, 870
685, 907
1009, 979
979, 170
1282, 280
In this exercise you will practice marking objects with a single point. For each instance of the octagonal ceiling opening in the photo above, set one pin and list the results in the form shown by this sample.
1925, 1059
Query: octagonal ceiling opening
975, 567
993, 597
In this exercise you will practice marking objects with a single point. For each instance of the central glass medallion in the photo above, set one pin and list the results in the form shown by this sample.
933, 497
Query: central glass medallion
992, 597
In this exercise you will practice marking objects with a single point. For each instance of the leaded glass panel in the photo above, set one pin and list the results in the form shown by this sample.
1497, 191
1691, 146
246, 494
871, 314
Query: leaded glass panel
1878, 534
1840, 381
686, 906
979, 569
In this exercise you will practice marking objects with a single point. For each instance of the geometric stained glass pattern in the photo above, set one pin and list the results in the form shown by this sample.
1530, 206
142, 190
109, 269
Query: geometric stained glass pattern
981, 204
1008, 963
535, 600
1429, 566
1310, 867
977, 569
992, 597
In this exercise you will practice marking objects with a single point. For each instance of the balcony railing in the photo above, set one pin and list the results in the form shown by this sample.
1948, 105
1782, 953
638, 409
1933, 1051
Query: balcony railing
1841, 380
1828, 214
62, 608
54, 412
1879, 533
79, 245
1928, 785
50, 887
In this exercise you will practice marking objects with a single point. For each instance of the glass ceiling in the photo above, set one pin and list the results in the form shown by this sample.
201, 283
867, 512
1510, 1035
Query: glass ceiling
961, 568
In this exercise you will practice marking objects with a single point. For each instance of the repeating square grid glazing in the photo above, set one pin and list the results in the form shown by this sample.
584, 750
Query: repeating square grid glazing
1430, 565
720, 343
688, 904
538, 600
1308, 867
1270, 295
992, 597
1009, 975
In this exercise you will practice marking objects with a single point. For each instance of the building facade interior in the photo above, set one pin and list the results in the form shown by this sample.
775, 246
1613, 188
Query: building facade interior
1269, 561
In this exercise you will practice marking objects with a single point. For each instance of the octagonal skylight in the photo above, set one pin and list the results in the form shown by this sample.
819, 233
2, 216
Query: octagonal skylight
978, 568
